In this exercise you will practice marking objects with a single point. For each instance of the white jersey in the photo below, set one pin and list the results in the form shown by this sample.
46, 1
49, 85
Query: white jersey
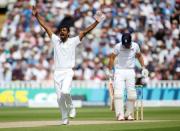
125, 57
64, 52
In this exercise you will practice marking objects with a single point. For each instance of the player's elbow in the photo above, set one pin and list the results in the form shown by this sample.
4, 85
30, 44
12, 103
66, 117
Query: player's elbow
138, 55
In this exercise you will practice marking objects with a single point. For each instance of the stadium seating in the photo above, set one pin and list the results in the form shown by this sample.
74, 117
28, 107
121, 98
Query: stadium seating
26, 51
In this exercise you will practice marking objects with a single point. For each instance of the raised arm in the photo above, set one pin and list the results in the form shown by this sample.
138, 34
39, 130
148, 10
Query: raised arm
87, 30
41, 21
98, 17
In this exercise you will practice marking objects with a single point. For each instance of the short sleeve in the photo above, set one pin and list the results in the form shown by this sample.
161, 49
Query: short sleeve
116, 50
54, 39
137, 48
76, 40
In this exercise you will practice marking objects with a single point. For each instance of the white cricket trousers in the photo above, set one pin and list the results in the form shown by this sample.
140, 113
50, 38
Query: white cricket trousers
62, 83
124, 79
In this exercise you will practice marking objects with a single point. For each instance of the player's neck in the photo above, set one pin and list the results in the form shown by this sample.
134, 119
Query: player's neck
127, 47
64, 40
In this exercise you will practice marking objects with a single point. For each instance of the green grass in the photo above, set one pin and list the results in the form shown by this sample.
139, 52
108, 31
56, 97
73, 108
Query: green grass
94, 113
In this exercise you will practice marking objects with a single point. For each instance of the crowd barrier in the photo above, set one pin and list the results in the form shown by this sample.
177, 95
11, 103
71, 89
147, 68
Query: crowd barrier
84, 93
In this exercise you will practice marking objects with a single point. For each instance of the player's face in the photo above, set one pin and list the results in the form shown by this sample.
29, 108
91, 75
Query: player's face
64, 33
128, 46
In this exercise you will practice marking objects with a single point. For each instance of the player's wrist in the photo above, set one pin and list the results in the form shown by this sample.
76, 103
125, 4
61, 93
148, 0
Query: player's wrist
36, 14
97, 21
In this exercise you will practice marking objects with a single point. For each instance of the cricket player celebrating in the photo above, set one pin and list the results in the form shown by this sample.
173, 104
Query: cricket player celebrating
64, 58
125, 53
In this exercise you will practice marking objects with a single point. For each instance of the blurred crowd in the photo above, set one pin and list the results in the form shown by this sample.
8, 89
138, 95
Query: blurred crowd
26, 52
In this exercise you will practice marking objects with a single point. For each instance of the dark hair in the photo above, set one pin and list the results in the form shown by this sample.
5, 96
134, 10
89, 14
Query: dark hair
64, 26
126, 39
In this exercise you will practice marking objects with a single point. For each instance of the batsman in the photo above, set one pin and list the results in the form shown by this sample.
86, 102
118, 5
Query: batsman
125, 54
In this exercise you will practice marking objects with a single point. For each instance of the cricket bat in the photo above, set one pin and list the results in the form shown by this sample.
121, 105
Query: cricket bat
111, 94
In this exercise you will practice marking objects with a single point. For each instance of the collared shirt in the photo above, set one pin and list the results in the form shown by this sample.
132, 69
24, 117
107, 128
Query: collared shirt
64, 52
126, 57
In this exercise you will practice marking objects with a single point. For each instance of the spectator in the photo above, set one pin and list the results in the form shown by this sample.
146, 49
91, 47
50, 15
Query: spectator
26, 51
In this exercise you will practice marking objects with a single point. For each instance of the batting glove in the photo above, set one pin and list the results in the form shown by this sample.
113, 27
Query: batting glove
145, 73
99, 16
109, 73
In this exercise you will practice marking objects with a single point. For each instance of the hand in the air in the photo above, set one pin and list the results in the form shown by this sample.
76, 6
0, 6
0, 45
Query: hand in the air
99, 16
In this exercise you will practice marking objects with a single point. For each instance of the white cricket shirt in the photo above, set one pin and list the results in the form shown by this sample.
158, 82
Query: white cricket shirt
126, 57
64, 52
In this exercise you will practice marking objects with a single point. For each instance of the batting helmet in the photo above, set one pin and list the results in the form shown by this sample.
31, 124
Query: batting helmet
126, 40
